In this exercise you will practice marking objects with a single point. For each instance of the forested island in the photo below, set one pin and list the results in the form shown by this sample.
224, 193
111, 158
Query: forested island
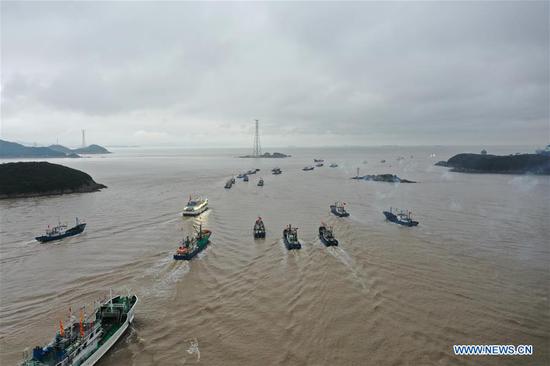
30, 179
388, 178
499, 164
275, 155
14, 150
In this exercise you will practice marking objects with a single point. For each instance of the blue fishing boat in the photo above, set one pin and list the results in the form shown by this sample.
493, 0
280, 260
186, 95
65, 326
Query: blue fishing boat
60, 231
401, 218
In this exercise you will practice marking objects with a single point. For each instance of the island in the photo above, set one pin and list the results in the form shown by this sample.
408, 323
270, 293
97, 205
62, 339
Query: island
498, 164
31, 179
275, 155
12, 150
15, 150
92, 149
388, 178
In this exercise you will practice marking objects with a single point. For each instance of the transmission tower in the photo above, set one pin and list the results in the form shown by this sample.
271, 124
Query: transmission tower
83, 138
257, 149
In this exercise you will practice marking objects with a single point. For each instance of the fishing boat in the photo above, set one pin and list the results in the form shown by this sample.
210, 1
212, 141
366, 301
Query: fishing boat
261, 182
83, 343
306, 168
241, 175
333, 165
276, 171
190, 247
326, 235
338, 209
253, 171
318, 160
245, 179
318, 165
195, 206
229, 183
401, 218
290, 237
259, 229
60, 231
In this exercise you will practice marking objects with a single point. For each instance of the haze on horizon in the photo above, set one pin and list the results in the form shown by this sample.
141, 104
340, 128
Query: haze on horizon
198, 74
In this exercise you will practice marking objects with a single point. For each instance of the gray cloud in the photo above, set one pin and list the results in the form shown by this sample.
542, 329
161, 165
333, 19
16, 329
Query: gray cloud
339, 73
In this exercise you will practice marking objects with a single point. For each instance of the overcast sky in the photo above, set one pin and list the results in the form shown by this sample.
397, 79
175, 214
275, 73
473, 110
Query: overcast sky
198, 74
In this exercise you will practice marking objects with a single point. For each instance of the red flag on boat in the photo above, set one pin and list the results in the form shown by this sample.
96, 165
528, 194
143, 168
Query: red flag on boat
61, 330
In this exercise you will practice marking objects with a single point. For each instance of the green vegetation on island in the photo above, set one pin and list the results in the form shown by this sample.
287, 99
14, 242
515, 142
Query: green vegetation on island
499, 164
30, 179
275, 155
15, 150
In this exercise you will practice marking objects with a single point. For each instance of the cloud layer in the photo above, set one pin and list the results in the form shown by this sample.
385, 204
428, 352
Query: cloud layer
313, 73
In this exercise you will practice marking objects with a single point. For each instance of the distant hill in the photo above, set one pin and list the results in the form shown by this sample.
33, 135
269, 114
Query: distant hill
505, 164
15, 150
275, 155
92, 149
61, 148
29, 179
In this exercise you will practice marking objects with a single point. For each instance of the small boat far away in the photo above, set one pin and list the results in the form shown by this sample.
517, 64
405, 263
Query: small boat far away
195, 206
318, 160
229, 183
245, 178
190, 247
338, 209
400, 218
259, 229
60, 231
290, 237
261, 182
326, 235
306, 168
85, 342
318, 165
276, 171
333, 165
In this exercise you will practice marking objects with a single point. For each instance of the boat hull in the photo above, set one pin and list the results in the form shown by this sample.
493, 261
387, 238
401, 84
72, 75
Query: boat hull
338, 213
78, 229
326, 241
393, 218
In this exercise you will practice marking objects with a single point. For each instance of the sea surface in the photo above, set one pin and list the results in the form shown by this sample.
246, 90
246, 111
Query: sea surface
475, 271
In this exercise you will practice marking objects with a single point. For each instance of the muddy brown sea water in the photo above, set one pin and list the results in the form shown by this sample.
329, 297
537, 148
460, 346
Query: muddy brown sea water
475, 271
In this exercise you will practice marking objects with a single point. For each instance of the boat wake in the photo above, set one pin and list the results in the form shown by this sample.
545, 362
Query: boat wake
341, 255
